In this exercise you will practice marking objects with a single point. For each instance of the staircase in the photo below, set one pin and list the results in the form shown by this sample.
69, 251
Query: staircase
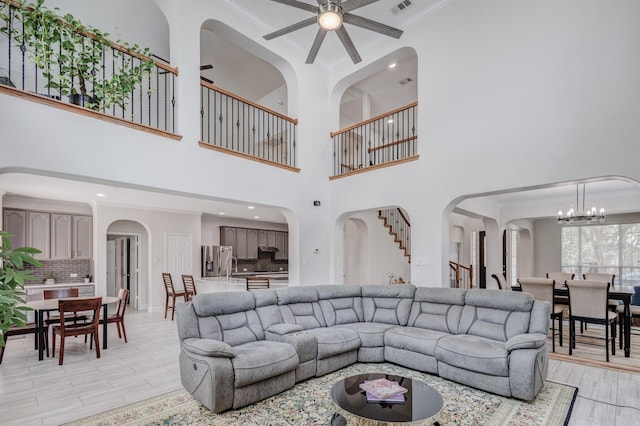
399, 227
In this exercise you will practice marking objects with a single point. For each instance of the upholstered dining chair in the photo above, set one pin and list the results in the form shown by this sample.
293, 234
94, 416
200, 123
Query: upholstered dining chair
542, 289
171, 293
588, 303
502, 283
561, 278
67, 308
254, 283
613, 304
118, 316
634, 309
189, 287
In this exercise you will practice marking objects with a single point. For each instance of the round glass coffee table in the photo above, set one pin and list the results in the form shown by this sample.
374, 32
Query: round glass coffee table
422, 404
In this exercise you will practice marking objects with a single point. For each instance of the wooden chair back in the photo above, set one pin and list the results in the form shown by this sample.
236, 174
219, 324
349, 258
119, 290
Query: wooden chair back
254, 283
168, 284
67, 308
189, 286
59, 293
123, 299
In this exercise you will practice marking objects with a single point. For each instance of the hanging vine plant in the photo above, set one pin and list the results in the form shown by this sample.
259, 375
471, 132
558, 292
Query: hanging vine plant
73, 57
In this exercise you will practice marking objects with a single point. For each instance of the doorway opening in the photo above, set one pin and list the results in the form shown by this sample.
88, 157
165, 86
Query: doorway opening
123, 266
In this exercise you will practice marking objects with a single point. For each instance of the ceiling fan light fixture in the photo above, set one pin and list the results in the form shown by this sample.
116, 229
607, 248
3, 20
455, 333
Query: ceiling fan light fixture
330, 16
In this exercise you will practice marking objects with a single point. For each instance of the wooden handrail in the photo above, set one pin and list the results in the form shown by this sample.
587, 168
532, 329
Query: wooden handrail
114, 45
404, 217
389, 145
371, 120
455, 265
246, 101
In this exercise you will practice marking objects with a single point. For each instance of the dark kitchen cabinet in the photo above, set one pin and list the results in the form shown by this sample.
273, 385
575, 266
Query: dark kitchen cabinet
252, 243
281, 243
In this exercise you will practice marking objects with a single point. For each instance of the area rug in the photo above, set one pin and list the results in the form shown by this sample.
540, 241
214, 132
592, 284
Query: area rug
309, 403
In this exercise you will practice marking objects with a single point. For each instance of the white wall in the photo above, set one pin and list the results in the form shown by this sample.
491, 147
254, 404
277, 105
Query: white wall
511, 94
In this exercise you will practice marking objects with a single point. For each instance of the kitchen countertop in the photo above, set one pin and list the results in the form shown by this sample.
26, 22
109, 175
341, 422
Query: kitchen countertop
262, 273
56, 285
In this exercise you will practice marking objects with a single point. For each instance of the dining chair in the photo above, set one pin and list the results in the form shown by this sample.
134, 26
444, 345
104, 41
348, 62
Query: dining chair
613, 304
118, 316
15, 330
53, 318
255, 283
634, 310
561, 278
171, 292
502, 283
542, 289
68, 308
588, 303
189, 287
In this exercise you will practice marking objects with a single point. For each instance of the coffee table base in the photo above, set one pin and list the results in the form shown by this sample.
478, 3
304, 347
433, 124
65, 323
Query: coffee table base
343, 418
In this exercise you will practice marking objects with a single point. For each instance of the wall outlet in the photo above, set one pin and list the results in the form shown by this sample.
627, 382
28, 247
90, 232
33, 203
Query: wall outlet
74, 275
244, 269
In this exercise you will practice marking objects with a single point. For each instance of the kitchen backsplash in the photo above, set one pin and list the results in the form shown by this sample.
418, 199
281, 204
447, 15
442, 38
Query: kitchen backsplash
61, 270
265, 263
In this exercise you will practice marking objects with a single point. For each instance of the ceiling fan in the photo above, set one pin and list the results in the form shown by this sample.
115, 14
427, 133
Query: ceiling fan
330, 16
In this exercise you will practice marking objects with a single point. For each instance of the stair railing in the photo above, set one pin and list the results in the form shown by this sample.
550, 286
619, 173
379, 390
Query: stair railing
461, 275
382, 140
399, 227
236, 125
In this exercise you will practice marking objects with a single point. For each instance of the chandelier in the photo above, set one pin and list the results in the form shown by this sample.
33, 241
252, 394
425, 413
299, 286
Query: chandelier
585, 216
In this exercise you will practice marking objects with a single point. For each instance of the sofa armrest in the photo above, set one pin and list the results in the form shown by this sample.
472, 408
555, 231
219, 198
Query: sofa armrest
526, 341
208, 347
306, 344
284, 328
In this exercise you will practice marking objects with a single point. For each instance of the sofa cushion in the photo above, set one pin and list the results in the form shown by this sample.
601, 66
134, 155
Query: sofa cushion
208, 347
437, 309
257, 361
388, 304
300, 306
340, 304
371, 333
474, 353
496, 314
335, 340
414, 339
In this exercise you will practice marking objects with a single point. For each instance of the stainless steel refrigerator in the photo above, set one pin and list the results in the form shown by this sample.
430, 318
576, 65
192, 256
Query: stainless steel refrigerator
216, 261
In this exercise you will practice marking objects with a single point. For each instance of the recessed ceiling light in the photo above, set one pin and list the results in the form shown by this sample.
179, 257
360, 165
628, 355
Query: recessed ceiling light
251, 207
256, 217
221, 213
100, 195
392, 65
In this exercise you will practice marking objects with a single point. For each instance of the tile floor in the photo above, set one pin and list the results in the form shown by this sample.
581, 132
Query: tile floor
44, 393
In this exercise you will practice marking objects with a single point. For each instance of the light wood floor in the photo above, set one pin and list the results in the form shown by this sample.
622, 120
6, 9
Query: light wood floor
43, 393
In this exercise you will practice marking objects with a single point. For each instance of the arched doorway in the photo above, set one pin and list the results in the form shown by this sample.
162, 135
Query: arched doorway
127, 245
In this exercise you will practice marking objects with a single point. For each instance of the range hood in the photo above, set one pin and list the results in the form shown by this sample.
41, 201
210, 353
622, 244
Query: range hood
267, 249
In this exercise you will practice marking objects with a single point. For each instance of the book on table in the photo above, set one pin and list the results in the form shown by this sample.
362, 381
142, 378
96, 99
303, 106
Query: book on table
383, 390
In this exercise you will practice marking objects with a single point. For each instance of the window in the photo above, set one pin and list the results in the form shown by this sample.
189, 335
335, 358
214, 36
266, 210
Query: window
606, 249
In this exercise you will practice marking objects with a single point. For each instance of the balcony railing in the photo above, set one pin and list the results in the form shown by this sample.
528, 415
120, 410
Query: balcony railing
148, 104
236, 125
383, 140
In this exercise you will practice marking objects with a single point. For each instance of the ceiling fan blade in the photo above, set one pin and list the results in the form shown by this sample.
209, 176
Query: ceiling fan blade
300, 5
344, 37
315, 47
350, 5
290, 28
368, 24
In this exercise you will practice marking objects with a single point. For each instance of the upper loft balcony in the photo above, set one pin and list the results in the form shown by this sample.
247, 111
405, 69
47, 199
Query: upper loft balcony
91, 75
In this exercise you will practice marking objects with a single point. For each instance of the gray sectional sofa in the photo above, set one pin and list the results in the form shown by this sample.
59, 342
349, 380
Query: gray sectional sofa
241, 347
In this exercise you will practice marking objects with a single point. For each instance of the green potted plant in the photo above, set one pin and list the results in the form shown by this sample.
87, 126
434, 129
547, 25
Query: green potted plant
71, 57
12, 278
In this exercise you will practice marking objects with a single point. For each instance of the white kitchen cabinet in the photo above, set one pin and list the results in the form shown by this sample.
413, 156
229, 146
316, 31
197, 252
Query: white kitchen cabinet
61, 228
82, 237
15, 222
39, 233
262, 237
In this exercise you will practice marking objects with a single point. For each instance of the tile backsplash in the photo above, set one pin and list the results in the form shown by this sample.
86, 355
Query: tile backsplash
61, 270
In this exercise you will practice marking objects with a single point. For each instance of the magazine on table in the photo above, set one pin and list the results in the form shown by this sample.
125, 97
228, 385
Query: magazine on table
383, 390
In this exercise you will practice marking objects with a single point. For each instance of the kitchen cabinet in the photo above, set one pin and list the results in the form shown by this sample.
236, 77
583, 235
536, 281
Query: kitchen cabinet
228, 237
271, 238
241, 243
262, 237
61, 229
39, 233
15, 222
281, 243
252, 243
82, 237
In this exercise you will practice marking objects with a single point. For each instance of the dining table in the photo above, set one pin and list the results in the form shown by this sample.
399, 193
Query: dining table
616, 292
51, 305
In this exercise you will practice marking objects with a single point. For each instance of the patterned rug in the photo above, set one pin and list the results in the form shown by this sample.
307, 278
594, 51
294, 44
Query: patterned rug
309, 403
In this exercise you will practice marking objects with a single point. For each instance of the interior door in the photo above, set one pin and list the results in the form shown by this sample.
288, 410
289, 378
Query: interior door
179, 256
111, 268
134, 272
482, 259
